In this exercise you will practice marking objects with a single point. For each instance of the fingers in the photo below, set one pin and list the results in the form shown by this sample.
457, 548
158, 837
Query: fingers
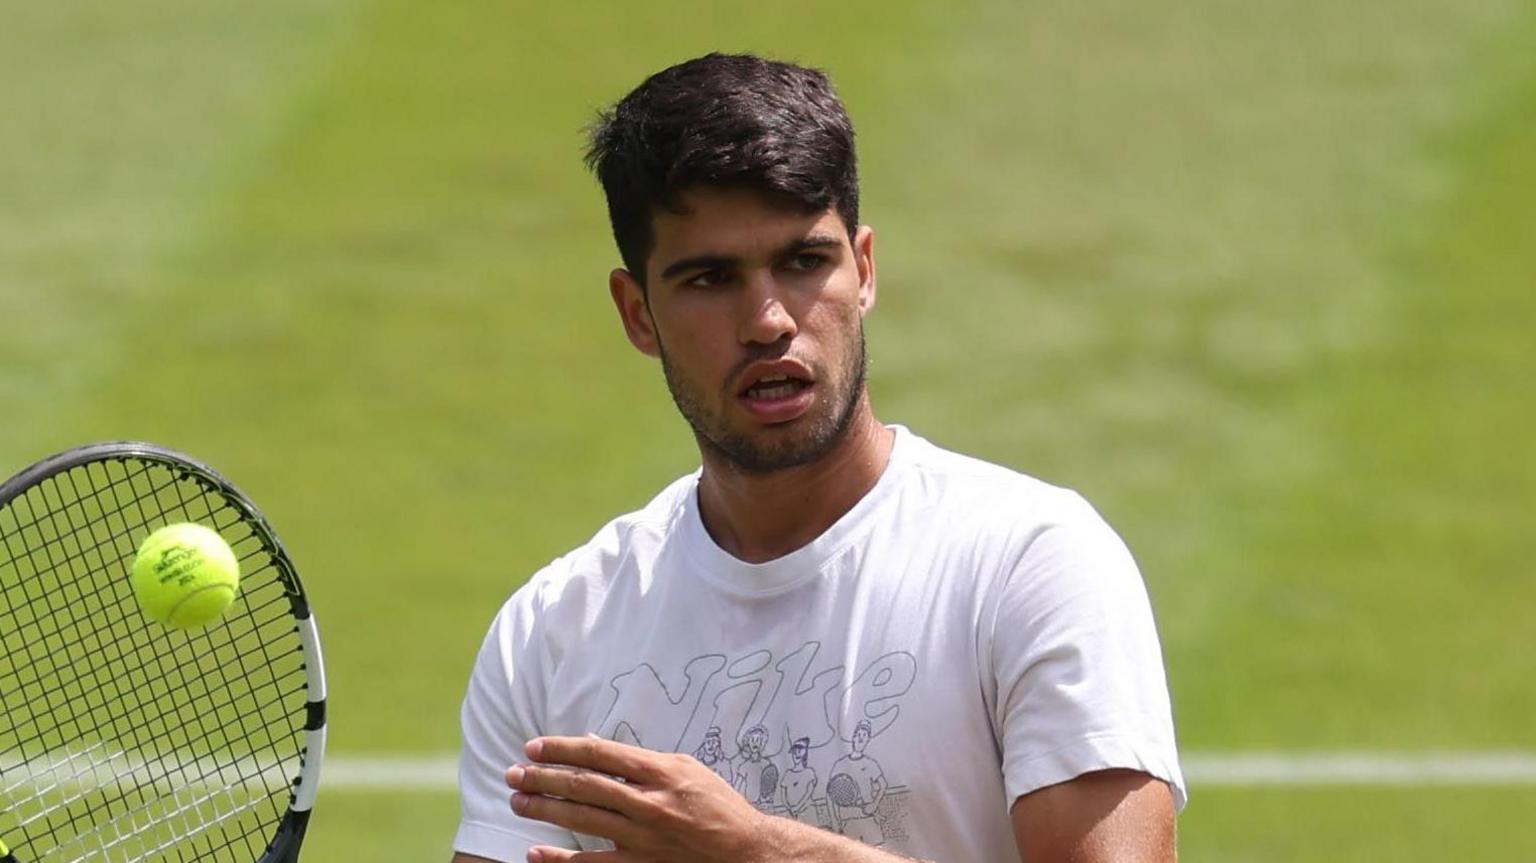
546, 854
581, 786
595, 753
578, 817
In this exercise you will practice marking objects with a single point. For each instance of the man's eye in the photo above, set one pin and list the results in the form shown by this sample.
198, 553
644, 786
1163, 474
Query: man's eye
806, 261
708, 279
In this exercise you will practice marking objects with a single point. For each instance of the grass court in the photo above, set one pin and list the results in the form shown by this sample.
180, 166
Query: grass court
1257, 279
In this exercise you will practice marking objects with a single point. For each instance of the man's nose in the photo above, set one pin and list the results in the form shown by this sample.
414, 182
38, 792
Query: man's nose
764, 317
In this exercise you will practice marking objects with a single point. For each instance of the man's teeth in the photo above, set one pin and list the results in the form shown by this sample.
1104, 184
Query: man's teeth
777, 387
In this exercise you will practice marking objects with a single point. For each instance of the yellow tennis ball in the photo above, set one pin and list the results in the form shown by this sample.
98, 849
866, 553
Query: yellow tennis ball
185, 576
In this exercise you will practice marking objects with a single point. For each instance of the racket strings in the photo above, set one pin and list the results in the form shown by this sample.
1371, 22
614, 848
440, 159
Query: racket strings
123, 740
77, 771
205, 770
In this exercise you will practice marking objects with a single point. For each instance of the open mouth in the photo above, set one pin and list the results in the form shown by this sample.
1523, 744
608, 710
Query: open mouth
777, 391
776, 387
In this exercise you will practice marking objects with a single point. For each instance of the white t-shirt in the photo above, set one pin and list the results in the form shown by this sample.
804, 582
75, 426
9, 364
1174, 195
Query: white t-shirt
960, 637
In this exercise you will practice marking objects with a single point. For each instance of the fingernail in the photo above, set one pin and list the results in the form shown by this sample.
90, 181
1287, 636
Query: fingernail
519, 802
534, 747
515, 775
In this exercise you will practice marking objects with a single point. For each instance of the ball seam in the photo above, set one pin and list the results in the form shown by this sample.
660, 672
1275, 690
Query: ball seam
170, 616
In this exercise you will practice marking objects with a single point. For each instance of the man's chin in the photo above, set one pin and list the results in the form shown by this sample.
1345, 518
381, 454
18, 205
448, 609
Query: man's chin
770, 449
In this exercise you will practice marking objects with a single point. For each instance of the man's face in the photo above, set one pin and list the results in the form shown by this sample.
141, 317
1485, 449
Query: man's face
756, 312
754, 744
860, 739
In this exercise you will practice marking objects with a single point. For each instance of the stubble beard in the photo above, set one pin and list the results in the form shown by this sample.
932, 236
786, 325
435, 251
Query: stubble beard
758, 455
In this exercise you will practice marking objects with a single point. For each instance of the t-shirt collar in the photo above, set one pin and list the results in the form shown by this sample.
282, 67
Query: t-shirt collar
724, 569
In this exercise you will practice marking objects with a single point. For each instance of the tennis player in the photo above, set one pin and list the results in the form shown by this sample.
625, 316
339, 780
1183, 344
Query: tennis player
835, 640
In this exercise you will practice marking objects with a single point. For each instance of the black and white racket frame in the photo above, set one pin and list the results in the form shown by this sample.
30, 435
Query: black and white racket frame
289, 835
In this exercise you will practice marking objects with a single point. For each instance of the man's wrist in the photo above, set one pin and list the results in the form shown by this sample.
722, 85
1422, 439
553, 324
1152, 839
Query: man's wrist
785, 840
768, 840
781, 840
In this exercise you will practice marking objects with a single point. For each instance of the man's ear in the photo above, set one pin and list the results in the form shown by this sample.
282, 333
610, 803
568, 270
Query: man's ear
634, 312
864, 256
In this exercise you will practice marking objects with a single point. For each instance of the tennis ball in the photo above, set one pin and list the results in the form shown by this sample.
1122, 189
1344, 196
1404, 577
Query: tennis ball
185, 575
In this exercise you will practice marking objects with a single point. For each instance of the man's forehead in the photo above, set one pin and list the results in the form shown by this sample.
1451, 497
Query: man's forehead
727, 220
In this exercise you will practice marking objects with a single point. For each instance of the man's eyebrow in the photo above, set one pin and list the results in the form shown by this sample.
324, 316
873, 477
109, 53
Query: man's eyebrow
813, 241
719, 262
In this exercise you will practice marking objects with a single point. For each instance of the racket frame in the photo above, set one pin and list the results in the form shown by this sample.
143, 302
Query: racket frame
289, 834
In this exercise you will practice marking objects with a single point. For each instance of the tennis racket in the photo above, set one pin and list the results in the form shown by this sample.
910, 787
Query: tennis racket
125, 740
844, 791
768, 783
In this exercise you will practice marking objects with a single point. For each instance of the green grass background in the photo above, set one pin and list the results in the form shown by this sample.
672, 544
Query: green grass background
1259, 279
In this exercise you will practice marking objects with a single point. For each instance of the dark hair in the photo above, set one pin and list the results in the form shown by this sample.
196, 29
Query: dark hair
723, 120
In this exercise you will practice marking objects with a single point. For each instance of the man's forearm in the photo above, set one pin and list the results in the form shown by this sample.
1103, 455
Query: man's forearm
789, 841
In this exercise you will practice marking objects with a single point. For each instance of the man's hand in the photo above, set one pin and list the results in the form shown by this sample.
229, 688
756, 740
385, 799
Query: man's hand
668, 808
653, 806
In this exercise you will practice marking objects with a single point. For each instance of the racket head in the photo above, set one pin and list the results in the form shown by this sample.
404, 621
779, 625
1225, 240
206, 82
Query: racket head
843, 790
769, 783
124, 739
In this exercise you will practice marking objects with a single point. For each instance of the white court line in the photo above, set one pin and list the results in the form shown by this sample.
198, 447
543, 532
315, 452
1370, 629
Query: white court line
1360, 768
1201, 770
402, 773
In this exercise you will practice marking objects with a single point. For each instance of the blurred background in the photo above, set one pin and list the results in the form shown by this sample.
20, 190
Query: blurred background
1259, 279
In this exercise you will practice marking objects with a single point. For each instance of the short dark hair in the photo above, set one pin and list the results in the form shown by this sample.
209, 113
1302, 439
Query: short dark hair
723, 120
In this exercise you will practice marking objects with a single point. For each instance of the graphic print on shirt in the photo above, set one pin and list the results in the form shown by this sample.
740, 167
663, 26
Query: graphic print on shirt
795, 739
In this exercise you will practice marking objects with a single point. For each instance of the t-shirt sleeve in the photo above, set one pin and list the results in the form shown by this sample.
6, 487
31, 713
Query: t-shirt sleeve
498, 717
1079, 669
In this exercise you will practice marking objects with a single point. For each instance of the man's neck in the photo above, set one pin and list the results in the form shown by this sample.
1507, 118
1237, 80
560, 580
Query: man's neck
760, 517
